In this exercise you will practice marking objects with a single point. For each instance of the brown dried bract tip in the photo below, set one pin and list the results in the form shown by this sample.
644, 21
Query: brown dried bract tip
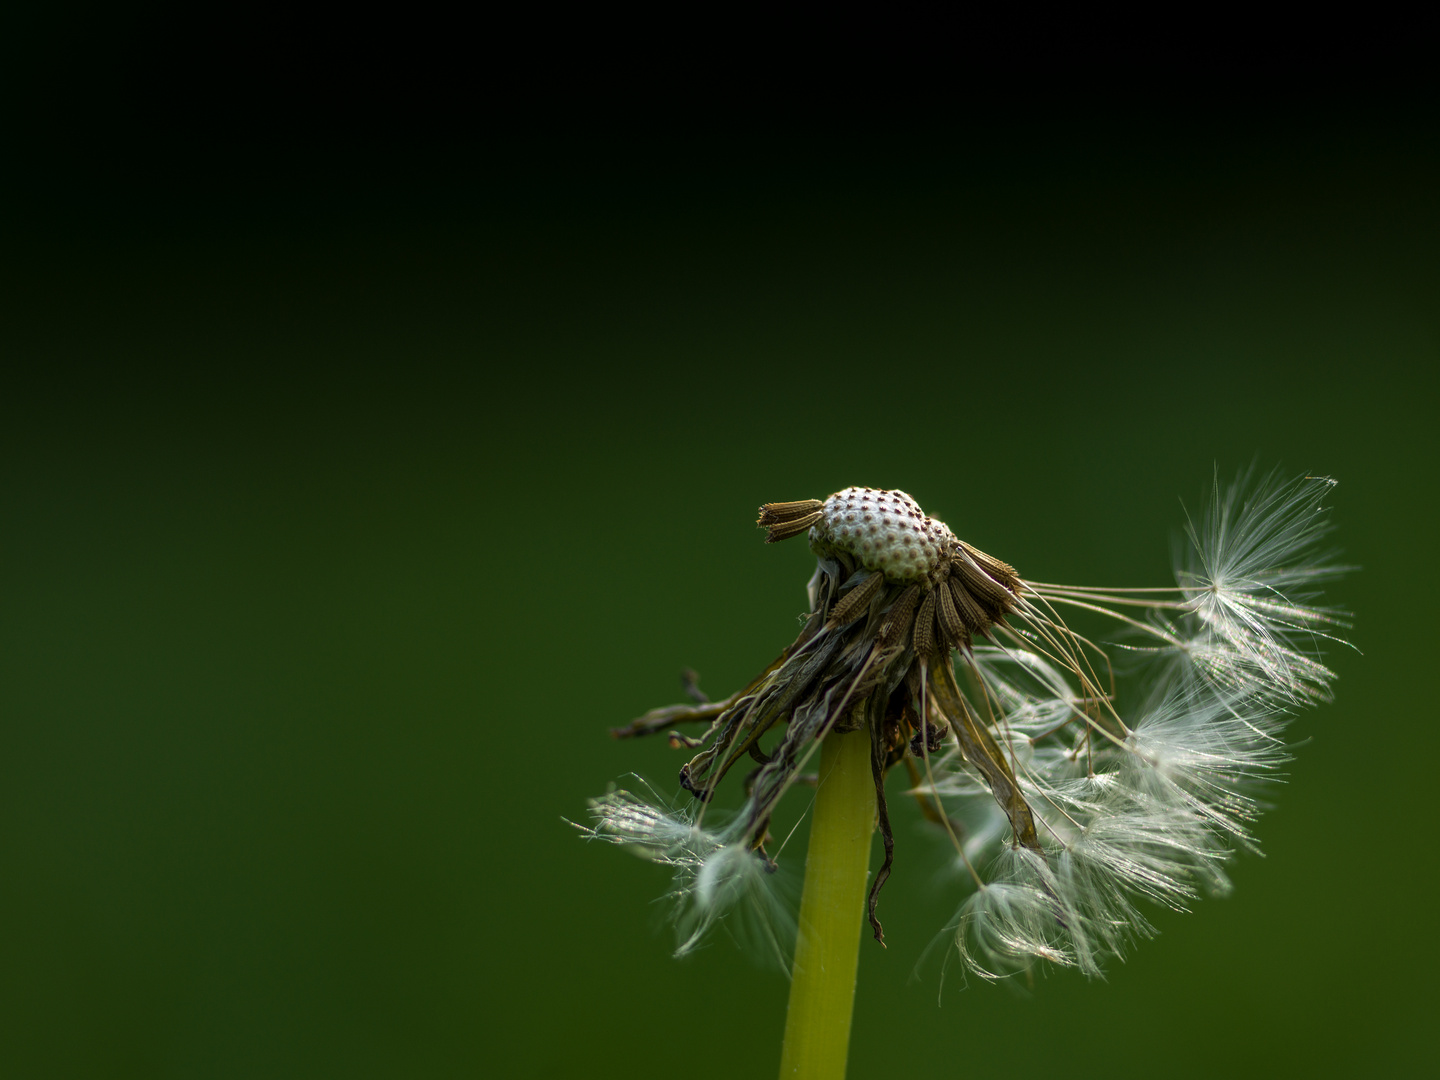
787, 519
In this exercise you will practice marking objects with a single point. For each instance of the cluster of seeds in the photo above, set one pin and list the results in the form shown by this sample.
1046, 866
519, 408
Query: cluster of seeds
1092, 808
944, 592
884, 530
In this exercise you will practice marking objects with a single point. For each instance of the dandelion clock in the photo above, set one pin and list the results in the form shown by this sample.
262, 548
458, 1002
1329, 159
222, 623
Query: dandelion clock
1077, 779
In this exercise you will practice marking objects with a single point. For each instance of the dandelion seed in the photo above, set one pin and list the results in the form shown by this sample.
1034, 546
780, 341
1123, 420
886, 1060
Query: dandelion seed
714, 877
1068, 803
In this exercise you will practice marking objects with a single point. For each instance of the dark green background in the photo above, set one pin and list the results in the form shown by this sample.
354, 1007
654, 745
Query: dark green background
352, 491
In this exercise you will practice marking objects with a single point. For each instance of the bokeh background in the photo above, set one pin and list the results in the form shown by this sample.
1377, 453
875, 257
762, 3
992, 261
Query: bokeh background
358, 474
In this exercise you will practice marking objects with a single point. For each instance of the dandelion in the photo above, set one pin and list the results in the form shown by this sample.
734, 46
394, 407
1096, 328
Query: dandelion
1066, 805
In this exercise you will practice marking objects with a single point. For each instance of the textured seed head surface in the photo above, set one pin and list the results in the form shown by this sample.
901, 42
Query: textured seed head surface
884, 530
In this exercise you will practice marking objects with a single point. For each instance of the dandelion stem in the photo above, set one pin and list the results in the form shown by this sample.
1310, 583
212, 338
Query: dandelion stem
822, 987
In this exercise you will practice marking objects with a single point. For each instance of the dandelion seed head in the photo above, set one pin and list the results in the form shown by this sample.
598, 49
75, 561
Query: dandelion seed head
1070, 797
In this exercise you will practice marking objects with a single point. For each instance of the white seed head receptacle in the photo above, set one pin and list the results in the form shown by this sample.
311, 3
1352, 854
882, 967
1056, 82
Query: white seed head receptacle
883, 530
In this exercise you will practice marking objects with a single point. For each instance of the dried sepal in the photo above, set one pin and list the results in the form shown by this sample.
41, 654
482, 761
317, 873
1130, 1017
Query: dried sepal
983, 753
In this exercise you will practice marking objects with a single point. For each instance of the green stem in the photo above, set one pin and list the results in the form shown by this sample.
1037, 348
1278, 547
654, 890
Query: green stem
822, 986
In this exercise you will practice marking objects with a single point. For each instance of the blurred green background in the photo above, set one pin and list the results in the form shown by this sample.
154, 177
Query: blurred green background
352, 491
